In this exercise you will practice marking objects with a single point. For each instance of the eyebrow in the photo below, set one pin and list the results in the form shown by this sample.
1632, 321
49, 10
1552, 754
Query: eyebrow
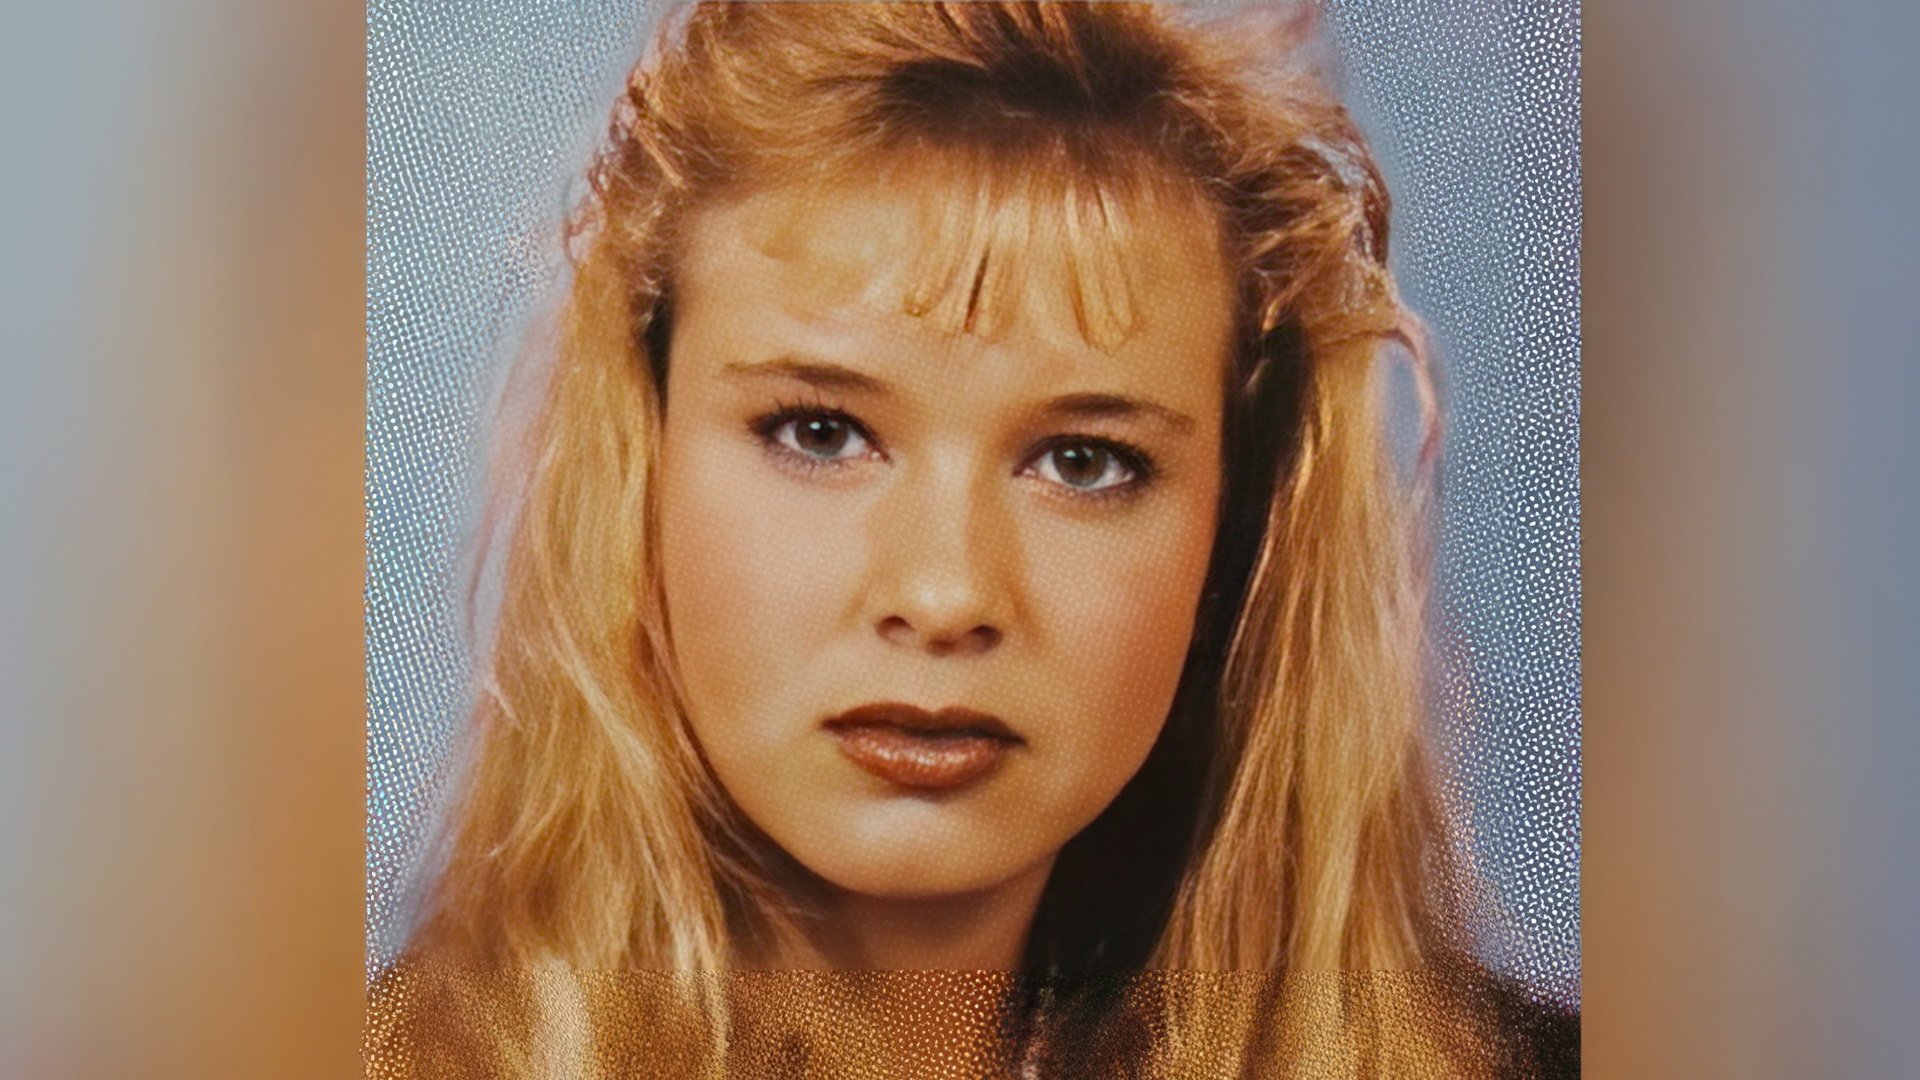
812, 372
1118, 406
1085, 405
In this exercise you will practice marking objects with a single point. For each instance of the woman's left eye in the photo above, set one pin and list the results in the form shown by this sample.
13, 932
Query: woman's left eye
1088, 466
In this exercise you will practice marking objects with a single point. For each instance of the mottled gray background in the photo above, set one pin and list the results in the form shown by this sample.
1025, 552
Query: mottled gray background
481, 114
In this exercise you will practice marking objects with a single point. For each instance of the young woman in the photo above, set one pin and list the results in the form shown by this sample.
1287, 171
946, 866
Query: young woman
960, 537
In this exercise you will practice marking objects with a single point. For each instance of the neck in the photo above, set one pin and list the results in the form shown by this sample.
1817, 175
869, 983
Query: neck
953, 1017
979, 931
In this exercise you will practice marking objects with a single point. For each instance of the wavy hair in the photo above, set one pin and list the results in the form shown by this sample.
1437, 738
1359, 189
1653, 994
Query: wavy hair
1286, 821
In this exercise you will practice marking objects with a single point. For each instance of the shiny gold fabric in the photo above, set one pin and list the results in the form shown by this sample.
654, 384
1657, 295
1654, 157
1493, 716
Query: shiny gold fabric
429, 1021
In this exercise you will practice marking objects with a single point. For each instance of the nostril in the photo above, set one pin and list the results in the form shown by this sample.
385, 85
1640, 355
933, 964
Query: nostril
899, 631
893, 628
977, 640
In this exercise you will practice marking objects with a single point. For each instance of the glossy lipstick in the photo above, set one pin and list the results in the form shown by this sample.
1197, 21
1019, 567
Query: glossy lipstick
929, 751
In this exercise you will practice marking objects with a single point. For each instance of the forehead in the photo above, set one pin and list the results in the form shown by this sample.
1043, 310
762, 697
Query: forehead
1078, 274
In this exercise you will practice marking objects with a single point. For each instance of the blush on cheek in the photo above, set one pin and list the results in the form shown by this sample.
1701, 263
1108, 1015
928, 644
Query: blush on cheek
755, 577
1146, 634
1143, 586
1125, 634
707, 548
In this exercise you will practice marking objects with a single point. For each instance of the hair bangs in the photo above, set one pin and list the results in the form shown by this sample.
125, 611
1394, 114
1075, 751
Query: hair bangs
1037, 239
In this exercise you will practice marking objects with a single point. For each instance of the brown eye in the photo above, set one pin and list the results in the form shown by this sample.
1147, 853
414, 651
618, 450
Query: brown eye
822, 437
1081, 466
1086, 466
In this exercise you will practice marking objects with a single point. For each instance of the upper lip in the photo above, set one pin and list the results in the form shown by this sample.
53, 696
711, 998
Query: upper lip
914, 718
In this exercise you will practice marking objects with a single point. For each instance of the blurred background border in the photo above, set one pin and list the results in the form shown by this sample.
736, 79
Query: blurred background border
182, 422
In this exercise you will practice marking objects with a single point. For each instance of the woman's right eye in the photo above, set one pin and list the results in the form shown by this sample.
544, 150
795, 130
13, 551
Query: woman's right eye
817, 437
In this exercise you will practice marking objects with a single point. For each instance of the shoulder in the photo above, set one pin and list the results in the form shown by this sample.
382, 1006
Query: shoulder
429, 1019
428, 1016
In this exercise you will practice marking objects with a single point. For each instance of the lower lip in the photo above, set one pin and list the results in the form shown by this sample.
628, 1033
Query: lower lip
928, 761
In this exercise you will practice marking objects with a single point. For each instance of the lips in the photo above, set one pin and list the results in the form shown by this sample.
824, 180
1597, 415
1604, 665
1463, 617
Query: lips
913, 748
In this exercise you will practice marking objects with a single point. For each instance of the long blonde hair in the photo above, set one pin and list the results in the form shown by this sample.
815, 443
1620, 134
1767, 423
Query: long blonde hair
1306, 834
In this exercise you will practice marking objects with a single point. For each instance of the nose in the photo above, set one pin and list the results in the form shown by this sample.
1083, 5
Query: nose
943, 551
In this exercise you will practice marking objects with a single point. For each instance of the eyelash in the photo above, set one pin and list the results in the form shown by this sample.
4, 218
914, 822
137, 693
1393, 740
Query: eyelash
766, 426
1136, 461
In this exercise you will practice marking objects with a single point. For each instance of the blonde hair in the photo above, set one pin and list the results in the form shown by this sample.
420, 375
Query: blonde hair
1309, 837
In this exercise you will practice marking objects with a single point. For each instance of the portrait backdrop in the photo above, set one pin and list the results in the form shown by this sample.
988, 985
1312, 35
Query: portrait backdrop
482, 114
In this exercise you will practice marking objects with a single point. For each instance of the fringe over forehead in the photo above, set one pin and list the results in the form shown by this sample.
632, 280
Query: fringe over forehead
995, 242
1057, 137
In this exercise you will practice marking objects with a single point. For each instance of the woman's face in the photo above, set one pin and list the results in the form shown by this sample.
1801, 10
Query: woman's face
930, 591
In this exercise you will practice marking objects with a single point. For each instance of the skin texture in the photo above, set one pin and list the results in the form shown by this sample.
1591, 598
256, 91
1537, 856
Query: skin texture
933, 528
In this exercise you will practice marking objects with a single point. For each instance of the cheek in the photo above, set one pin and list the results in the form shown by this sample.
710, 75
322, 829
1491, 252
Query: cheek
752, 576
1124, 625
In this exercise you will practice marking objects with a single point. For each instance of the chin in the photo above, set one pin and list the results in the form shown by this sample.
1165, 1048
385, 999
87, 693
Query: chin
920, 865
